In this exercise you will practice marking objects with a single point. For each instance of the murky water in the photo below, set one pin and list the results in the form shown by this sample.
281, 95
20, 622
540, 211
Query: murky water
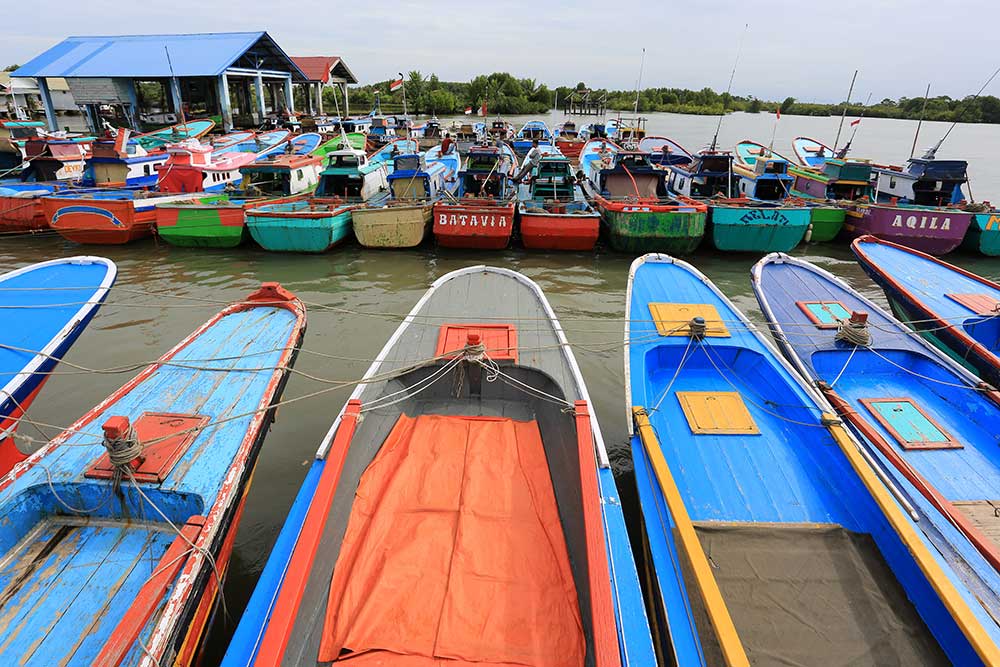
163, 293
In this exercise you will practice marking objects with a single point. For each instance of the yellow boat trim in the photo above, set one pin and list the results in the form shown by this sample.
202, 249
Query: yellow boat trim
953, 601
717, 412
672, 319
718, 614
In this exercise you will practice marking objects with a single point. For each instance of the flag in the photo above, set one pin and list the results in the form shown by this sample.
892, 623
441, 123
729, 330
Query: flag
778, 112
855, 122
396, 85
482, 110
468, 111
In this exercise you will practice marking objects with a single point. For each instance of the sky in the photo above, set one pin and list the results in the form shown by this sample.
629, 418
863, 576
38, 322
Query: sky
802, 48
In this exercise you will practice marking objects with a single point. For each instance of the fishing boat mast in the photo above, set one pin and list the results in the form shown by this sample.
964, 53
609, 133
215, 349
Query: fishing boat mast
913, 148
929, 155
854, 132
638, 82
843, 115
729, 88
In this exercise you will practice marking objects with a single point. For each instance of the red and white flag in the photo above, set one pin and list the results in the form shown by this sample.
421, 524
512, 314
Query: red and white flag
468, 111
855, 122
395, 85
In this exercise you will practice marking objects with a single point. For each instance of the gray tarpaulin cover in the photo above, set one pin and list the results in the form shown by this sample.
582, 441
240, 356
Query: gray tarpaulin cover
811, 595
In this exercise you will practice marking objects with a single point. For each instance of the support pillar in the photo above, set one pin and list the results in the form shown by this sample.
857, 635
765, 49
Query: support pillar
261, 111
289, 96
224, 108
50, 109
319, 94
176, 99
347, 103
133, 100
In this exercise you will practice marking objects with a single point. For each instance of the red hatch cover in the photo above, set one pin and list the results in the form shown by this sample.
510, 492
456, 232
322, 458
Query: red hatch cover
980, 304
500, 339
170, 434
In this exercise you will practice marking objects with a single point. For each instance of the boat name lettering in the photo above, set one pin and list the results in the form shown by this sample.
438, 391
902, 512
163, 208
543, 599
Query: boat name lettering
922, 223
466, 220
764, 214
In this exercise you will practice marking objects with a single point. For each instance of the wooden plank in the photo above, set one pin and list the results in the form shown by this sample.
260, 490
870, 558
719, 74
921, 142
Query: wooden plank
149, 598
715, 605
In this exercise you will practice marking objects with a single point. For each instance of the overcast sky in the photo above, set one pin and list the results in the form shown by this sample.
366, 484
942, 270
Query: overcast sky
797, 48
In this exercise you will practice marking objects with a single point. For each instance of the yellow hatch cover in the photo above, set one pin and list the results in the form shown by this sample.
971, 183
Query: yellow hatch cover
717, 412
672, 318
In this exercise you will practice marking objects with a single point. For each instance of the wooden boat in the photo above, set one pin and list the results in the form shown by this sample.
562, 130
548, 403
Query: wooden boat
953, 308
983, 235
937, 443
482, 215
192, 129
929, 229
763, 174
106, 216
748, 225
568, 140
500, 130
533, 130
631, 195
554, 583
220, 221
354, 140
923, 181
192, 166
13, 136
21, 204
468, 135
352, 175
54, 159
121, 162
306, 143
386, 129
552, 210
753, 492
120, 563
46, 306
812, 152
401, 219
314, 224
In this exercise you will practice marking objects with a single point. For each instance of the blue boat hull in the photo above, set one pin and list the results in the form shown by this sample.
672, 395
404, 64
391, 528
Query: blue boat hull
757, 229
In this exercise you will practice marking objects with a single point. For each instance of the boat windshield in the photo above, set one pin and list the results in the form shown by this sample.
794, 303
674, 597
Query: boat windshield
343, 161
267, 182
407, 163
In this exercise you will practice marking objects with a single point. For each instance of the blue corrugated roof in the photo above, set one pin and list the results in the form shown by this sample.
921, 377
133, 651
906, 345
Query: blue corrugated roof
138, 56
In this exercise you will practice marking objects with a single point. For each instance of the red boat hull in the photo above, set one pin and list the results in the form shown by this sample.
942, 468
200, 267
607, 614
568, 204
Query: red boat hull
101, 222
571, 148
18, 214
559, 231
480, 224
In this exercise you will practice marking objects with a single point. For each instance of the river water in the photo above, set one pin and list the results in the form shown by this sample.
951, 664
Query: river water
164, 293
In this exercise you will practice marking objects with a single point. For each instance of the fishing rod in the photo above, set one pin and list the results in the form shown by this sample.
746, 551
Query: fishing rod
929, 155
843, 115
856, 124
729, 88
913, 148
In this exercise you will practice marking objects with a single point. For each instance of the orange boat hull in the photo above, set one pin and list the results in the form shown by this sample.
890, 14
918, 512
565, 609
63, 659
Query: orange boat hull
101, 222
482, 224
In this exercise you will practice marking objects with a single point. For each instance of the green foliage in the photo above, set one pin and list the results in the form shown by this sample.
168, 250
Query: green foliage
506, 94
10, 68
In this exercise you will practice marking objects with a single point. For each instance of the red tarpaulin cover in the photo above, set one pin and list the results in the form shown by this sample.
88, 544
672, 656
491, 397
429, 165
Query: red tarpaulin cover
454, 553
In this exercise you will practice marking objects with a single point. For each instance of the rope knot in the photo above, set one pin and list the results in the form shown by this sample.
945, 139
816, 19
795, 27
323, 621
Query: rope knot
697, 328
474, 349
854, 330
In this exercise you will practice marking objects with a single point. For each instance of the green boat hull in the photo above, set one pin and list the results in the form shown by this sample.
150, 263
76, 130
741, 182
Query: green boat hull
211, 222
984, 234
357, 140
754, 229
826, 223
306, 234
674, 232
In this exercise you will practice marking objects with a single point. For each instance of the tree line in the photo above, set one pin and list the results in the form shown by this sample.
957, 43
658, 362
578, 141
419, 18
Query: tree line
503, 93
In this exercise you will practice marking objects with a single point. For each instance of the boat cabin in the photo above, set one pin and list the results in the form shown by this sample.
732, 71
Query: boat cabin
632, 175
710, 174
282, 175
834, 179
122, 162
553, 179
350, 174
568, 130
487, 172
768, 179
923, 182
501, 129
54, 159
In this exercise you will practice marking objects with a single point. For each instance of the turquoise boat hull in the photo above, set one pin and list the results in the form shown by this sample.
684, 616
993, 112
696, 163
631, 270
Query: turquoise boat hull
984, 234
758, 229
299, 226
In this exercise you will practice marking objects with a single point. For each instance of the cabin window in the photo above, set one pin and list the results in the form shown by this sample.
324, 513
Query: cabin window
824, 314
298, 174
145, 169
681, 182
911, 427
892, 182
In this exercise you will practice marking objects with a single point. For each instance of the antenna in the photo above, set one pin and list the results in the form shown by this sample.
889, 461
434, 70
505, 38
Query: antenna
844, 114
729, 88
856, 124
638, 83
913, 149
173, 79
932, 152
